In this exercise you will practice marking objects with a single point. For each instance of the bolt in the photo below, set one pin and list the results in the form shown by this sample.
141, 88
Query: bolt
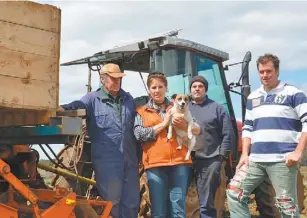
6, 169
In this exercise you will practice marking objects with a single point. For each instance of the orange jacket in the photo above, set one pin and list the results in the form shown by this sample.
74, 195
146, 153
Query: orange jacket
160, 152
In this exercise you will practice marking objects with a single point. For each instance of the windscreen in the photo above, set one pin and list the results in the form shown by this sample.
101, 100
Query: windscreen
210, 70
179, 67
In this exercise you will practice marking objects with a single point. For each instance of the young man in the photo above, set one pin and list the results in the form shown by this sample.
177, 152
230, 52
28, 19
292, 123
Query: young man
110, 117
274, 138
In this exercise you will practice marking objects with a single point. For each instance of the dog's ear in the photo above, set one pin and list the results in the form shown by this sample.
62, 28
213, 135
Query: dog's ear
190, 97
174, 96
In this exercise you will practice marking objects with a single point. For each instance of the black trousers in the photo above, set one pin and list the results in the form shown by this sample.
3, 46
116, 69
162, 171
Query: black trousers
208, 179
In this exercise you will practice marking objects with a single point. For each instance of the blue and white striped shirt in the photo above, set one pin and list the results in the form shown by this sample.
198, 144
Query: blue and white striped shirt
274, 122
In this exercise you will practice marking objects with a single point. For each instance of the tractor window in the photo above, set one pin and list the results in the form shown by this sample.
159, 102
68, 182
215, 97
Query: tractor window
210, 70
177, 66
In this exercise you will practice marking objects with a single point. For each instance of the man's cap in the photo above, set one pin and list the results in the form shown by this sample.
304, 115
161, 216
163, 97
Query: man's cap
201, 79
112, 70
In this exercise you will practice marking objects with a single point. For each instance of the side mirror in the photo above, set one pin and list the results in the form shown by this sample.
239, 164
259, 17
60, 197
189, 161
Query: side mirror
243, 81
245, 63
245, 88
244, 72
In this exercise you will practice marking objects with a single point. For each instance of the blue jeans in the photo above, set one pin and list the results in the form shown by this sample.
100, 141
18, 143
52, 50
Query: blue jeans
167, 190
284, 181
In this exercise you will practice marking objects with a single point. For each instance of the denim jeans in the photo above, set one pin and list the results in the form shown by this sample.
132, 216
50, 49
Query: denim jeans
167, 190
284, 181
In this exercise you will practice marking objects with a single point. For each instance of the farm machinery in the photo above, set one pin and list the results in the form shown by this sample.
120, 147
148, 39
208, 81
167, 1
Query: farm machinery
28, 117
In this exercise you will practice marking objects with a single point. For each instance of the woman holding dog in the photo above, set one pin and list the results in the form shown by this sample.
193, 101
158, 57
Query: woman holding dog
166, 170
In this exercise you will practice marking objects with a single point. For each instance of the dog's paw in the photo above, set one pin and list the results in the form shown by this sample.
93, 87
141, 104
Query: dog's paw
169, 136
178, 147
187, 157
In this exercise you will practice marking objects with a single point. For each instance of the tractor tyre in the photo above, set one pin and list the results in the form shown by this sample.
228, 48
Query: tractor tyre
300, 192
145, 205
192, 201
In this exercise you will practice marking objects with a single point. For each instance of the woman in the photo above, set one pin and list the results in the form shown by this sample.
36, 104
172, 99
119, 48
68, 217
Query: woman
166, 170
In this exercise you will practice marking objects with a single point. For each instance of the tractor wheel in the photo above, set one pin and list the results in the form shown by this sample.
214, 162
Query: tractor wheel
300, 183
300, 192
145, 206
192, 202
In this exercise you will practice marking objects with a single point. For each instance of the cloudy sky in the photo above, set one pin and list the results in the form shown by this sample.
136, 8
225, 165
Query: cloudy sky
234, 27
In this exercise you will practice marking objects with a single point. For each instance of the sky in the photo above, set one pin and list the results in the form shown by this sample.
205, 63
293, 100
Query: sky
277, 27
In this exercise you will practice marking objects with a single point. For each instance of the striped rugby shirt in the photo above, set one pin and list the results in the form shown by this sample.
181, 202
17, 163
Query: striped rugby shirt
274, 122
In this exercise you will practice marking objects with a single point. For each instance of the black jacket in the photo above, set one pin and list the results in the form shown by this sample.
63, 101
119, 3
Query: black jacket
217, 133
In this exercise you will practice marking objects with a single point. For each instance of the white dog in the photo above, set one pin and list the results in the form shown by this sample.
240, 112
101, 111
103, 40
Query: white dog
180, 109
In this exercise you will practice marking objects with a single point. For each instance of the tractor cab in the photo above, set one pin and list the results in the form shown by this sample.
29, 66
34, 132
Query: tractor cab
179, 59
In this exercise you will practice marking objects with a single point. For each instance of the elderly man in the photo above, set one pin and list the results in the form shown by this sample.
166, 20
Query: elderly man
274, 138
110, 118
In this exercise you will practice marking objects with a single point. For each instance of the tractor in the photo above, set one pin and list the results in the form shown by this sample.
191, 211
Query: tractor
180, 60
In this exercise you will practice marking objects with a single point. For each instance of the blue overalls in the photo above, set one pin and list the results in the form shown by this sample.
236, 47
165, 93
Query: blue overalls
114, 155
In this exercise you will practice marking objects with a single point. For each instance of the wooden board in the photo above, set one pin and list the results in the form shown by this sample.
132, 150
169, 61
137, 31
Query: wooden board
29, 40
28, 66
39, 16
27, 94
29, 62
20, 117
